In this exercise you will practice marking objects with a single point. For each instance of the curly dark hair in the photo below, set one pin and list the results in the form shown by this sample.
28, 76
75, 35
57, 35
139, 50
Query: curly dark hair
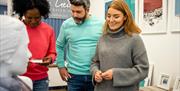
21, 6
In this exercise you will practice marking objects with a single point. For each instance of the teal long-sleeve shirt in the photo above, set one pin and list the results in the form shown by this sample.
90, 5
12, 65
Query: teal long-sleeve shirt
79, 42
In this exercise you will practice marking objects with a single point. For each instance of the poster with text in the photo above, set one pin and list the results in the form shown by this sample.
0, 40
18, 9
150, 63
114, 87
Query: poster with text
59, 9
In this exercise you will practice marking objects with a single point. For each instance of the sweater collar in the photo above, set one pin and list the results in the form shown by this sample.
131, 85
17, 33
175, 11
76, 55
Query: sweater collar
118, 33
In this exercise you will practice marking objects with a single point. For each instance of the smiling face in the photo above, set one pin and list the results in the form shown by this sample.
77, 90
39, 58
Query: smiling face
79, 13
115, 19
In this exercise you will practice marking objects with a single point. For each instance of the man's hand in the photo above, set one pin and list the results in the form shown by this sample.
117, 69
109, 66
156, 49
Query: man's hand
64, 74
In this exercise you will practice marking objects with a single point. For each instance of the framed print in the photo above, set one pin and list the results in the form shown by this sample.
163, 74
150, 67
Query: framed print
177, 8
164, 81
150, 73
133, 6
153, 16
3, 7
147, 81
176, 86
173, 19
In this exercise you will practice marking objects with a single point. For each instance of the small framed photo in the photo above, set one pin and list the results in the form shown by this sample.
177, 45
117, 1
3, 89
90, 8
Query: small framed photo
164, 81
177, 84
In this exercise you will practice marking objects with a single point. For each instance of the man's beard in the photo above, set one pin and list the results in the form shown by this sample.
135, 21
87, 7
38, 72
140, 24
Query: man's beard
80, 21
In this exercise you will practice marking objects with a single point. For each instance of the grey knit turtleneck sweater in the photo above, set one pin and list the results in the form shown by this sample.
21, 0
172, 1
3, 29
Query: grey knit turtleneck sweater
126, 56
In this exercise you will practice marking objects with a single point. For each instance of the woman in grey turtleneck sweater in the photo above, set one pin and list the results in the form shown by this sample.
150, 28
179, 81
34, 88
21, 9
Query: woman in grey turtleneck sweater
120, 62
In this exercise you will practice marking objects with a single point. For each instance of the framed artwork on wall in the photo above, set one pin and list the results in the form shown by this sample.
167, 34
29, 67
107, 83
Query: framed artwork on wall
176, 86
164, 81
153, 16
177, 8
147, 81
173, 19
3, 7
133, 5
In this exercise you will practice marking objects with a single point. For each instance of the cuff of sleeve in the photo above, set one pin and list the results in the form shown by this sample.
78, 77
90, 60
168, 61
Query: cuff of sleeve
60, 65
93, 74
115, 78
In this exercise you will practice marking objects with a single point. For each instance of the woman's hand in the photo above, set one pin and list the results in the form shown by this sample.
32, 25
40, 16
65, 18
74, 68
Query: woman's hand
46, 61
98, 77
107, 75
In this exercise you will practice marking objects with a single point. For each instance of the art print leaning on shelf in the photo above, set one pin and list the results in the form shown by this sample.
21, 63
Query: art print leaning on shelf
164, 81
177, 84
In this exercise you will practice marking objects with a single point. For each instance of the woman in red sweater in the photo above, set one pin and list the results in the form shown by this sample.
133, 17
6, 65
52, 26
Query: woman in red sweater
42, 40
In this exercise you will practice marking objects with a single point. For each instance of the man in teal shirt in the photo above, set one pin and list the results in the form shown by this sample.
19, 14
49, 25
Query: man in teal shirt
79, 35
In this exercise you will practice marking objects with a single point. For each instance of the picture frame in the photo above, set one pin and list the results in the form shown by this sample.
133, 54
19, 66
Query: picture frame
153, 16
147, 81
150, 73
176, 86
164, 81
177, 8
173, 19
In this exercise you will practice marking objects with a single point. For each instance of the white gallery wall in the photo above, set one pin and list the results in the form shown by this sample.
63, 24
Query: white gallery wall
163, 48
164, 52
97, 8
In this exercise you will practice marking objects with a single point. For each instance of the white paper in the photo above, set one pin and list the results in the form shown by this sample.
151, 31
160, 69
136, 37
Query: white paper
36, 61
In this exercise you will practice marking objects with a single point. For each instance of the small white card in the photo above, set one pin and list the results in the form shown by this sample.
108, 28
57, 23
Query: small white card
36, 61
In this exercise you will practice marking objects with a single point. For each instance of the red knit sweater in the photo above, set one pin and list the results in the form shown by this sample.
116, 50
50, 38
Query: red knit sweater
42, 44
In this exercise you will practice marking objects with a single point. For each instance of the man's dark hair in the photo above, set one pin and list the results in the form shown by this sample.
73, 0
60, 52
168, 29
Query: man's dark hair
84, 3
21, 6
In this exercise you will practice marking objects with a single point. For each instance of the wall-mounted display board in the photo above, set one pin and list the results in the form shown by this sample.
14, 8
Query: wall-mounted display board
60, 9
